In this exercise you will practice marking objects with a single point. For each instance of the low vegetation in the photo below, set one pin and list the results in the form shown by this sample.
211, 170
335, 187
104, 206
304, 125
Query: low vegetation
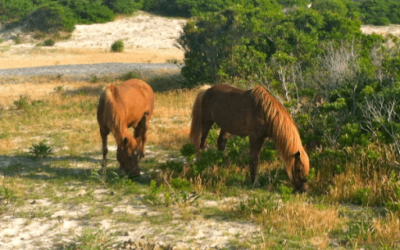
117, 46
352, 201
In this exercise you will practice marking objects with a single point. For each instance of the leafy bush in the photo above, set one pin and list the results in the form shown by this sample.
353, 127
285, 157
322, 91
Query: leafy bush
238, 42
41, 150
130, 75
51, 17
49, 42
117, 46
15, 9
87, 11
124, 6
335, 6
380, 12
22, 102
18, 39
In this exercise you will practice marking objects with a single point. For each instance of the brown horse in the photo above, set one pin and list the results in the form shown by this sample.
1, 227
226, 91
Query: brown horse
120, 108
254, 113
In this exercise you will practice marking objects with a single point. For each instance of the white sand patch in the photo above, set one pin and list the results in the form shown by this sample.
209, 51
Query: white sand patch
141, 31
393, 29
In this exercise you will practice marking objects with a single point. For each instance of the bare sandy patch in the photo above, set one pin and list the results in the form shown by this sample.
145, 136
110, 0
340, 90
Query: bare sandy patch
147, 39
393, 29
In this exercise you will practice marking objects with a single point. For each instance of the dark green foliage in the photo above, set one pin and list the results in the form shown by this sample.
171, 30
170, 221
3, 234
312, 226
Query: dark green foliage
130, 75
292, 3
175, 166
49, 42
117, 46
335, 6
188, 150
87, 11
189, 8
15, 9
51, 17
380, 12
375, 12
181, 184
124, 6
361, 196
238, 42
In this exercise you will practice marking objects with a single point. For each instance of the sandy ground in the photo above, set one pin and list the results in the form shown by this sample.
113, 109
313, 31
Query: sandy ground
147, 39
381, 30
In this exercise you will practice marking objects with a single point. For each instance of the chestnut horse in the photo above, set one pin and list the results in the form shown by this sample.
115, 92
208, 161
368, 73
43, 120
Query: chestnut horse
254, 113
120, 108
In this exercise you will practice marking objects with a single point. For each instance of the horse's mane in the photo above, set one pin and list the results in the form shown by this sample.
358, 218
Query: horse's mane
281, 127
112, 114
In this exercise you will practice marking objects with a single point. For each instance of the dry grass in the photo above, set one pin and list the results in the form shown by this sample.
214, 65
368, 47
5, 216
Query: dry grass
36, 57
75, 107
387, 231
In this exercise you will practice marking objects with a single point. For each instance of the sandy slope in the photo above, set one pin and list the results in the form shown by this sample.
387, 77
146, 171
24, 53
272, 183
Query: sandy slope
147, 39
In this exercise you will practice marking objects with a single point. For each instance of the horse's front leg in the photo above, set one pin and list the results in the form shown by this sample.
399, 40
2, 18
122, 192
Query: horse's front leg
140, 134
256, 144
104, 133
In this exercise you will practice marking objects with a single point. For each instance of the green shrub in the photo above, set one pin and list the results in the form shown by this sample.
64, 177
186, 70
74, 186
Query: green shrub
335, 6
89, 11
49, 42
188, 150
117, 46
286, 192
1, 40
130, 75
22, 102
124, 6
361, 196
17, 39
375, 12
41, 150
15, 9
51, 17
181, 184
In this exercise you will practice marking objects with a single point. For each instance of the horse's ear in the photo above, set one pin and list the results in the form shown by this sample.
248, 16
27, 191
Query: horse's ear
125, 140
297, 155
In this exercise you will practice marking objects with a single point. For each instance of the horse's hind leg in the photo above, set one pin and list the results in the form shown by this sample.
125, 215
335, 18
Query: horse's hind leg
104, 133
222, 139
204, 132
256, 144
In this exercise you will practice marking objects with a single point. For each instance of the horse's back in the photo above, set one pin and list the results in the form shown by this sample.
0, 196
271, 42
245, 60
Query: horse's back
133, 99
231, 108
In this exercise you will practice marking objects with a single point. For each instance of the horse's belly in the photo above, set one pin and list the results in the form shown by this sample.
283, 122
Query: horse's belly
234, 125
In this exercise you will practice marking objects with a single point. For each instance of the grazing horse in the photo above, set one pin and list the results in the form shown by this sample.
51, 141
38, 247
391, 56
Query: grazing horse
254, 113
120, 108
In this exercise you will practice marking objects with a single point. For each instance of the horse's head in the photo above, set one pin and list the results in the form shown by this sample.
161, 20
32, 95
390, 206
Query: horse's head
128, 156
300, 171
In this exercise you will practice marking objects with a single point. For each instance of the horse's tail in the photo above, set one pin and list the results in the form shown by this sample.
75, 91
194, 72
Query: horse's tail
196, 125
